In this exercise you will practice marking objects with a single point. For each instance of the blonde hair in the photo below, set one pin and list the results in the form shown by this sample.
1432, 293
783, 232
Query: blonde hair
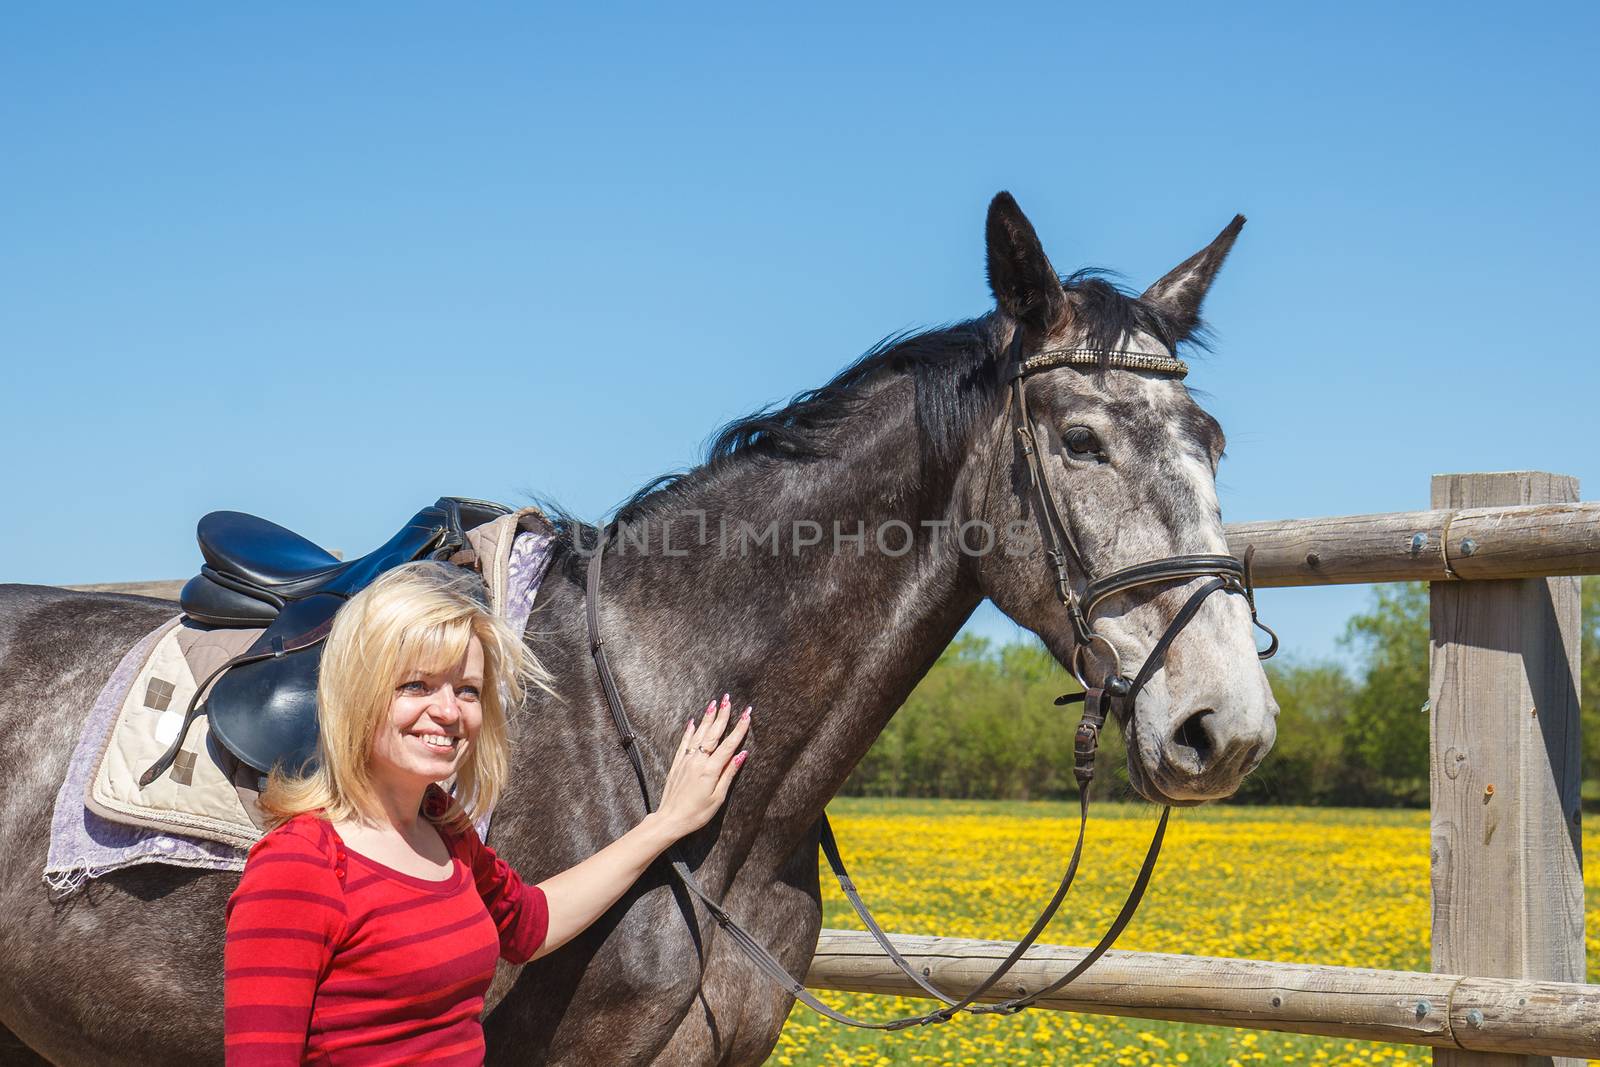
416, 617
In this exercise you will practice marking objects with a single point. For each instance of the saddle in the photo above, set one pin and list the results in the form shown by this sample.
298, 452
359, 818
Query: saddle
262, 706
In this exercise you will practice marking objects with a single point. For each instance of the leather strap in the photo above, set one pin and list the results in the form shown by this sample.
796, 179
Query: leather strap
1059, 546
769, 964
608, 681
1159, 571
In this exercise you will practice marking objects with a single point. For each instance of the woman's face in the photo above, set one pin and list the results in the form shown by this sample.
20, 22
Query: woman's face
432, 719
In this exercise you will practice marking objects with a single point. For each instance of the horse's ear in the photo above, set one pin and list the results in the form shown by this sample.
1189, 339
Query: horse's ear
1025, 286
1183, 289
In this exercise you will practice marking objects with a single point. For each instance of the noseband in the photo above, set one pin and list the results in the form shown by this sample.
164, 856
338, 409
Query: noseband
1115, 693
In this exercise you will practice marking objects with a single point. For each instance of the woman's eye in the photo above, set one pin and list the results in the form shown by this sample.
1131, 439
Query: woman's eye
413, 687
470, 691
1081, 441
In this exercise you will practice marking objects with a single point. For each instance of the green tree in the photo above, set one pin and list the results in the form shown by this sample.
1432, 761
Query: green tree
1306, 764
982, 723
1386, 731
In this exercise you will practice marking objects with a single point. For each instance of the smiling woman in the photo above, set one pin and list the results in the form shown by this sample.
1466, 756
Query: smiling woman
414, 654
368, 921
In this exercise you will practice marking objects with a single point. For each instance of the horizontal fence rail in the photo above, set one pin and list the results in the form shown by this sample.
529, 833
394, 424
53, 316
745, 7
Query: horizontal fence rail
1506, 1015
1531, 541
1528, 541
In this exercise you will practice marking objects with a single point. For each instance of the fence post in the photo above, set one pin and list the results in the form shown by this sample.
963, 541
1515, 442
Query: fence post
1503, 683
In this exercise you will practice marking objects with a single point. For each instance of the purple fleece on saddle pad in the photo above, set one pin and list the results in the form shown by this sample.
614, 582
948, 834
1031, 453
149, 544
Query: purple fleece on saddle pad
530, 558
85, 845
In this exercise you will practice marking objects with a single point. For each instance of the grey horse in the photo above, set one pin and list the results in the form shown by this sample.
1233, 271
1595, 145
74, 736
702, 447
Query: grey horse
814, 566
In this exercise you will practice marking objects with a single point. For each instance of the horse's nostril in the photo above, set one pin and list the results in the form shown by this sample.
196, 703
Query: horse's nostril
1193, 734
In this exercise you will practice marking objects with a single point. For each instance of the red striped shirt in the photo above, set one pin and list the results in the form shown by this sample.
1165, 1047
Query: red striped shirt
335, 958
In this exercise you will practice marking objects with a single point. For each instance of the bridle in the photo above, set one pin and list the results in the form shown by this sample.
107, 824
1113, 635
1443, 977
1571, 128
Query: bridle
1116, 693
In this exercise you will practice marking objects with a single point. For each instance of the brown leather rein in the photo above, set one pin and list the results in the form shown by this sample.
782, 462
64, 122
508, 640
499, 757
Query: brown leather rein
1115, 694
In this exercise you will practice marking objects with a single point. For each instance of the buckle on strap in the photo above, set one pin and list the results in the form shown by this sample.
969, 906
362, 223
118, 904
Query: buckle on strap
1086, 742
1058, 562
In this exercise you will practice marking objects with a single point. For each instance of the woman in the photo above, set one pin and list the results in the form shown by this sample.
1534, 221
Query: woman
368, 920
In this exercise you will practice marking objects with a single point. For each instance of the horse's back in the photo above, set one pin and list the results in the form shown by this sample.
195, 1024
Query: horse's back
57, 648
100, 975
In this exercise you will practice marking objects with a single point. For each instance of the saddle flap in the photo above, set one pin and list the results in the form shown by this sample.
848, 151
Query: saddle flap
265, 712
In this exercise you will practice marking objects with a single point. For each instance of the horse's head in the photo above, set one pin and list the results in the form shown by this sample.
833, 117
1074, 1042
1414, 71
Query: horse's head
1130, 460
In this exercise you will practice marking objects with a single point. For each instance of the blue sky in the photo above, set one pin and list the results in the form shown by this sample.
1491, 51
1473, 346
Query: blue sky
326, 263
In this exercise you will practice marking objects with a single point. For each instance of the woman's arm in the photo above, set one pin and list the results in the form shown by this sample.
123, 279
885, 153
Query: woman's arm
702, 771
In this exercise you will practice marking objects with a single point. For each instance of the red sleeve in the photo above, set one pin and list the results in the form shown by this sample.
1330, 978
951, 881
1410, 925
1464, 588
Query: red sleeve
283, 923
519, 910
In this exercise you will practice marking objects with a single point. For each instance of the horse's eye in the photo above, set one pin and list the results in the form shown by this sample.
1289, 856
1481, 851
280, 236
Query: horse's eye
1081, 441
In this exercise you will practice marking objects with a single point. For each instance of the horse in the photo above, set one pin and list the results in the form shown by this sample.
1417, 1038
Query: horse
815, 566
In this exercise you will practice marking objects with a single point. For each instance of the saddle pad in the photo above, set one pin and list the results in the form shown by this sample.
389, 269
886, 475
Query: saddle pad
202, 812
198, 797
86, 845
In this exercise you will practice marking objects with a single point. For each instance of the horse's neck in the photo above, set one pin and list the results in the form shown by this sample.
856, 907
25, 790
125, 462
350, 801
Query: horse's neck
825, 639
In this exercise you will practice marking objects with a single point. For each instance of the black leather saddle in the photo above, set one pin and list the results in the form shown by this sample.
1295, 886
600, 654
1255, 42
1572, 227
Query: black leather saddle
263, 705
254, 568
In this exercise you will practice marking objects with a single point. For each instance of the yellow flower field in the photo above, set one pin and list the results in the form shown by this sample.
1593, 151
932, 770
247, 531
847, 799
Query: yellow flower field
1304, 885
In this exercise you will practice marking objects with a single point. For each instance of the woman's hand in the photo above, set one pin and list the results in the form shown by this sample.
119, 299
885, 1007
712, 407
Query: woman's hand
702, 769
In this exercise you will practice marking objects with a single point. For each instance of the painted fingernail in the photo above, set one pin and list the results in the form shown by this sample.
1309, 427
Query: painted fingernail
746, 714
724, 700
738, 761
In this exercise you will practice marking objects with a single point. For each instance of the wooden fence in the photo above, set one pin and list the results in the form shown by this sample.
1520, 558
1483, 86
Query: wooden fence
1501, 552
1444, 1010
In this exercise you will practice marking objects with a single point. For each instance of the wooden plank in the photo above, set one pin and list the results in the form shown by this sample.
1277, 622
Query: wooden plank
1507, 874
1478, 543
1345, 549
1439, 545
1527, 541
1530, 1017
1494, 1014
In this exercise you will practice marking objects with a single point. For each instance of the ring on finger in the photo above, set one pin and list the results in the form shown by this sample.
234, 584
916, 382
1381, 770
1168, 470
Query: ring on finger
705, 751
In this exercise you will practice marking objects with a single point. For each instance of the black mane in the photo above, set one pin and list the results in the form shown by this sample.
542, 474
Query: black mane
957, 377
